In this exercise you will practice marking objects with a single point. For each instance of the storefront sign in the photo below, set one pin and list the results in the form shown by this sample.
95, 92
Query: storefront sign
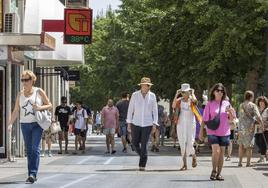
3, 53
48, 41
74, 75
78, 26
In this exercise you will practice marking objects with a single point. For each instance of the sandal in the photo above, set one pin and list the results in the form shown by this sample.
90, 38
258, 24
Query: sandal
194, 163
249, 165
219, 177
183, 168
213, 175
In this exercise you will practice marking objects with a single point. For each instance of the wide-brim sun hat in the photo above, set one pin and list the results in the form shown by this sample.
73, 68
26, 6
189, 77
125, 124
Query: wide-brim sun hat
146, 81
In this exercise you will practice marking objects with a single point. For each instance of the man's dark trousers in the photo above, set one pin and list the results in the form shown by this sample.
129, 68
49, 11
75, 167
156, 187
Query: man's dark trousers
140, 139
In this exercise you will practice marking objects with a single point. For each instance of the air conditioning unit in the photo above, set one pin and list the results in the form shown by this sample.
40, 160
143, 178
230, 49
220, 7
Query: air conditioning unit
11, 23
77, 3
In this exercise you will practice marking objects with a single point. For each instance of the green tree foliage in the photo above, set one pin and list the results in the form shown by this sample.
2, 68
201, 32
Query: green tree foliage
174, 41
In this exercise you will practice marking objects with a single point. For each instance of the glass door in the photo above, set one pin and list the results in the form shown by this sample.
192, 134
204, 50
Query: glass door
2, 113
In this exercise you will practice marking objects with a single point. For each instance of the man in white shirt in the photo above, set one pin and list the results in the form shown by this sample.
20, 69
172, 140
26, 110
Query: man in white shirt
142, 119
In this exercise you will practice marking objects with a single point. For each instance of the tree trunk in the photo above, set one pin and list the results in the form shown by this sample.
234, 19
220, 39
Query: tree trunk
252, 80
266, 60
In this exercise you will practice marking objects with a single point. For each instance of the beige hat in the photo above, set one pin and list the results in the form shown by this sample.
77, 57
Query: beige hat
146, 81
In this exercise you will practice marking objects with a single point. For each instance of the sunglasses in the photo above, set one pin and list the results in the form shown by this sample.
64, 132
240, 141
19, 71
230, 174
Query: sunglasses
25, 79
219, 90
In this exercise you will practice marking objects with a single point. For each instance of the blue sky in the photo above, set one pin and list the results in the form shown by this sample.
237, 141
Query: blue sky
98, 5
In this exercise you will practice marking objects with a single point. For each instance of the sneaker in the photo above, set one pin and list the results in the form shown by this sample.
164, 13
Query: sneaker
228, 159
124, 150
42, 154
50, 154
31, 179
114, 151
107, 152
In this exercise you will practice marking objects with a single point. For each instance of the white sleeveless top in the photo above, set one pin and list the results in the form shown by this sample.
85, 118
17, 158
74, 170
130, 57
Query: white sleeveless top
27, 113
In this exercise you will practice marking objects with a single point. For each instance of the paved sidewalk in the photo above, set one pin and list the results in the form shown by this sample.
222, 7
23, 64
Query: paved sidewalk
94, 169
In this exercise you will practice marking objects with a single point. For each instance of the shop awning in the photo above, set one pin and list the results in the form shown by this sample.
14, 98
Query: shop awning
28, 42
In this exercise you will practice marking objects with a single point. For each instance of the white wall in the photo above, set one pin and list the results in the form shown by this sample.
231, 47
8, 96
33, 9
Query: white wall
35, 11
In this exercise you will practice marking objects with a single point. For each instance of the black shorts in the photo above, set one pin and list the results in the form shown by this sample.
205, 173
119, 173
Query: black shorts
79, 132
64, 127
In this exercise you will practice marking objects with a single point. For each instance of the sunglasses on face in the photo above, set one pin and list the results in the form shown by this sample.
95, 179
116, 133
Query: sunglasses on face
25, 79
219, 90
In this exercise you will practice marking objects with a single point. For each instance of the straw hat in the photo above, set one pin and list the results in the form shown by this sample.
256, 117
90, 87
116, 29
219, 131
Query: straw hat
145, 81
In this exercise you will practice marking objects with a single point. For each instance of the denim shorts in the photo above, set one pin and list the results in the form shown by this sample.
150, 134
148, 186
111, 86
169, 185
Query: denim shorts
123, 128
221, 140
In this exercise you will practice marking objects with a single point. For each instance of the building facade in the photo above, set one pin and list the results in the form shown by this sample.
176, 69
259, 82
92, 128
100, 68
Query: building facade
23, 46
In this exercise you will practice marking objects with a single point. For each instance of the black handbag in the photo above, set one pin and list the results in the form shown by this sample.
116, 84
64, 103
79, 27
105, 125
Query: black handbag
213, 124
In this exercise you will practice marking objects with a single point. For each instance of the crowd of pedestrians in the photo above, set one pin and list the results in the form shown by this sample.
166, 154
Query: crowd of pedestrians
139, 118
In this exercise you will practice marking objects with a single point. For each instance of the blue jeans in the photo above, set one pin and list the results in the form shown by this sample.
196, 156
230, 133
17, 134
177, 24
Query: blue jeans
32, 134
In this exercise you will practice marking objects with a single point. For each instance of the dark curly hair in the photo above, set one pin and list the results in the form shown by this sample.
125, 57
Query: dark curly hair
262, 99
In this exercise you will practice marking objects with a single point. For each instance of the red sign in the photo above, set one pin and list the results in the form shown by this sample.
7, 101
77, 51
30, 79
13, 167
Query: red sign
78, 26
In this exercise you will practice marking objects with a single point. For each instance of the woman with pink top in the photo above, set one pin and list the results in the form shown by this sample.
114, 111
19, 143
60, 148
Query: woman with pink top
219, 138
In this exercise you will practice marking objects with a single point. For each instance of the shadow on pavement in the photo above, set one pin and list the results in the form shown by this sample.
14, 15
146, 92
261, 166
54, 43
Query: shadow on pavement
135, 169
190, 180
13, 182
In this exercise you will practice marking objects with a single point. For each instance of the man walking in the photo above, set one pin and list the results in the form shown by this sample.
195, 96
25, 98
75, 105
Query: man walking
122, 107
80, 116
159, 130
142, 119
62, 114
110, 117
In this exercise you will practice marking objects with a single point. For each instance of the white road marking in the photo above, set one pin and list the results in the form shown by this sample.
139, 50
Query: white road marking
108, 161
84, 160
78, 180
43, 179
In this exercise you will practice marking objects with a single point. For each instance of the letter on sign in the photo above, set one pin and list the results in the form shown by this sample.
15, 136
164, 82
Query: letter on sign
78, 26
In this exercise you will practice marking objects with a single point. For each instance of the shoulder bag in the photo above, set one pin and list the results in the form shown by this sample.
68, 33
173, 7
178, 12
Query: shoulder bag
213, 124
44, 117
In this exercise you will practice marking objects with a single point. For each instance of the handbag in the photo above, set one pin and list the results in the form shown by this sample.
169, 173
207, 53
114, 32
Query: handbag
44, 117
55, 127
213, 124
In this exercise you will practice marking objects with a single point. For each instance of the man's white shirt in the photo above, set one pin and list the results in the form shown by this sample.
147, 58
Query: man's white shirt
142, 111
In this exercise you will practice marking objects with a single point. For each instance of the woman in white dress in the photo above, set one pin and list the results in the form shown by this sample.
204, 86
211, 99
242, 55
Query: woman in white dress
186, 123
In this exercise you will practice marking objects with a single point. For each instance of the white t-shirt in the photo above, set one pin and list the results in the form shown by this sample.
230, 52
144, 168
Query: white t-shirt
80, 117
27, 113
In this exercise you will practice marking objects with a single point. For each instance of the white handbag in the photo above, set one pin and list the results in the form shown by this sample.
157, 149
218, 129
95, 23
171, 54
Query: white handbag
55, 127
43, 118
